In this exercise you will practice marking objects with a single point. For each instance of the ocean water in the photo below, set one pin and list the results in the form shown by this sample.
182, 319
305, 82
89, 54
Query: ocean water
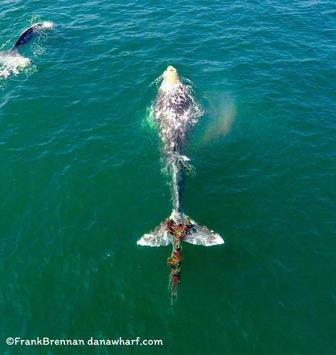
81, 180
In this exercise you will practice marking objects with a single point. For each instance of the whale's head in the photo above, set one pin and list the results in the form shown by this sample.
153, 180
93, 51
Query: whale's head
170, 75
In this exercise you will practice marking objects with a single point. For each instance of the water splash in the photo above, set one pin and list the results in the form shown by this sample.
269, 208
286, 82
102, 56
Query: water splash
149, 118
12, 63
157, 81
47, 25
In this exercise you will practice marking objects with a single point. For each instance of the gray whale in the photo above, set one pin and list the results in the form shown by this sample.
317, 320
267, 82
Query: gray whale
174, 112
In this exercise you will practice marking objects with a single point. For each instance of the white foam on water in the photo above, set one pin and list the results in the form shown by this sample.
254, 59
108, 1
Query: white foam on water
12, 63
47, 25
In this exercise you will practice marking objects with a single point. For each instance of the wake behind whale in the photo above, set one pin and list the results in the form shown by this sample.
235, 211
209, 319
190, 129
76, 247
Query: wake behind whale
175, 111
12, 62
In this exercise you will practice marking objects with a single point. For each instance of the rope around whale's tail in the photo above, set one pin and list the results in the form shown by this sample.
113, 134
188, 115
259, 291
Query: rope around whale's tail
29, 33
196, 234
175, 229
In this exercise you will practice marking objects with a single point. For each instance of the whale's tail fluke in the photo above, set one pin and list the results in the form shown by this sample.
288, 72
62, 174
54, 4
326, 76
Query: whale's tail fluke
158, 237
29, 33
175, 229
180, 226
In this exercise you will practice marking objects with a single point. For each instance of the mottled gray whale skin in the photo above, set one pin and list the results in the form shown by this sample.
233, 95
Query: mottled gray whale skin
172, 105
175, 111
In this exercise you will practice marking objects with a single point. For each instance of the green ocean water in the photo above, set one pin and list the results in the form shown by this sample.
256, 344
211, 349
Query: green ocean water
81, 180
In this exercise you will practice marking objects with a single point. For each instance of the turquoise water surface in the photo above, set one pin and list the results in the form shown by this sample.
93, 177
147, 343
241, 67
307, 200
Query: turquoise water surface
81, 180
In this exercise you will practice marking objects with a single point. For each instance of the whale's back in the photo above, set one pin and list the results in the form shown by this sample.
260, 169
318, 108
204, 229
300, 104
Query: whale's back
173, 111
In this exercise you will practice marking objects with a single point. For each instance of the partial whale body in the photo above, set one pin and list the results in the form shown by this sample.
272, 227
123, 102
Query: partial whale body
29, 33
11, 61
